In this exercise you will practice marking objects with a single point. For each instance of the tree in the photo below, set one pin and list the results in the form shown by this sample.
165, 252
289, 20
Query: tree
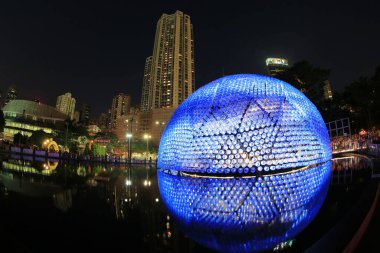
72, 131
361, 97
38, 137
333, 109
306, 78
98, 150
2, 121
20, 139
113, 141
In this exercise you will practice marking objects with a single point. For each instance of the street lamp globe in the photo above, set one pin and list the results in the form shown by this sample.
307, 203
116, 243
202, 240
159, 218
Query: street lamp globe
129, 136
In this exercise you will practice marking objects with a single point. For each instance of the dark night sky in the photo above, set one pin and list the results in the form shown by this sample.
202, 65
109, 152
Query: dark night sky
96, 49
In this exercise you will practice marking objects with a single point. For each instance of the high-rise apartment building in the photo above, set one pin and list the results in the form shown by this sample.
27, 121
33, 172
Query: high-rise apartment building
84, 113
145, 96
327, 91
172, 76
147, 81
276, 65
128, 124
66, 104
104, 120
121, 104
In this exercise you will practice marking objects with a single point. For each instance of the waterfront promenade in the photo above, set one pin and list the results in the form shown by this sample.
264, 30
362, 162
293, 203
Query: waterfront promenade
35, 154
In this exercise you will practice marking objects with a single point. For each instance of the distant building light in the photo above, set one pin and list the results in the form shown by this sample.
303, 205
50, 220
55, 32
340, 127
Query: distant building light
276, 65
277, 61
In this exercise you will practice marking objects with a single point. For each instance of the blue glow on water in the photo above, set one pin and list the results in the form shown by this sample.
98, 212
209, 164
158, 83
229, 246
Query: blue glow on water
245, 214
244, 163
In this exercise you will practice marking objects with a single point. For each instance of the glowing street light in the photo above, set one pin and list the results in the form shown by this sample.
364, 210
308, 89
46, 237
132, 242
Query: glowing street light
160, 125
128, 182
129, 137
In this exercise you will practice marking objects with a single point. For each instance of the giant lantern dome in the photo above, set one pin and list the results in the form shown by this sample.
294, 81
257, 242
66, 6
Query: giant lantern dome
244, 163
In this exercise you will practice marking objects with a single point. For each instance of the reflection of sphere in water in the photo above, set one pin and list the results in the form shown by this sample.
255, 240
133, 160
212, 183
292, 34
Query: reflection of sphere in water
245, 214
244, 163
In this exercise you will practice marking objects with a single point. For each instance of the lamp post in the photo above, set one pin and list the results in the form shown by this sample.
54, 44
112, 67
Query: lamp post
129, 136
67, 130
147, 137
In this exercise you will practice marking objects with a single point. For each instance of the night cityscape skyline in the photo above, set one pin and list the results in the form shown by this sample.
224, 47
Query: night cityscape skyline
52, 48
189, 126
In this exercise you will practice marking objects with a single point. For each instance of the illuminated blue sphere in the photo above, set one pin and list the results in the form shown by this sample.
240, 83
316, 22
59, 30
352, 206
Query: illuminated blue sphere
244, 163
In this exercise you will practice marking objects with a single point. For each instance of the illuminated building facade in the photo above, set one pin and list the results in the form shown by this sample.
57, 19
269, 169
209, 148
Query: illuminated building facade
173, 61
244, 163
121, 104
145, 102
102, 121
66, 104
128, 124
276, 65
147, 81
172, 77
327, 91
25, 117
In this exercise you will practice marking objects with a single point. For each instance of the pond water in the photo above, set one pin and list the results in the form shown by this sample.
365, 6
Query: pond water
46, 205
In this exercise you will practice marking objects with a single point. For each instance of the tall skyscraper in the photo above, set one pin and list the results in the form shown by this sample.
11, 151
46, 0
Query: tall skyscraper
104, 120
172, 76
121, 104
327, 91
66, 104
145, 96
11, 94
276, 65
147, 81
84, 117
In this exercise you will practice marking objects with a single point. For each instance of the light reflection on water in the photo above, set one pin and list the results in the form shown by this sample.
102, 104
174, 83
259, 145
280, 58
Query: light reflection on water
121, 200
121, 205
245, 214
